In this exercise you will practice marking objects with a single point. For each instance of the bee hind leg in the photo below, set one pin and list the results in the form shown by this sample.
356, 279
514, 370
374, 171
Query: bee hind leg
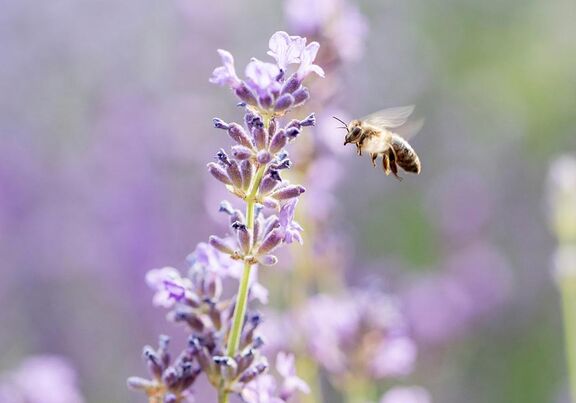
393, 166
386, 163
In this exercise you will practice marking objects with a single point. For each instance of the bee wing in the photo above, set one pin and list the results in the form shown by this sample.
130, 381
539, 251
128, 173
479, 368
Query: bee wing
390, 118
410, 129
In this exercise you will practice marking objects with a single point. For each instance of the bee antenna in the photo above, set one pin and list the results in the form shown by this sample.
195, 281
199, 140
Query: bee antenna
341, 121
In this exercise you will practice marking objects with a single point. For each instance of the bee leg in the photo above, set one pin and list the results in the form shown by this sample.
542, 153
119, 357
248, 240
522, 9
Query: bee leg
386, 163
393, 166
373, 156
359, 148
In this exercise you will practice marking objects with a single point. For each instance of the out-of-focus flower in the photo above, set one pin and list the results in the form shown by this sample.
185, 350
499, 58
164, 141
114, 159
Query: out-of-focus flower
264, 389
474, 283
41, 379
460, 204
286, 367
362, 333
336, 24
402, 394
394, 357
562, 198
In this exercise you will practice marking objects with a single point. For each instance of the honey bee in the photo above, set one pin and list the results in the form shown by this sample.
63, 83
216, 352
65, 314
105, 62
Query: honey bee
372, 135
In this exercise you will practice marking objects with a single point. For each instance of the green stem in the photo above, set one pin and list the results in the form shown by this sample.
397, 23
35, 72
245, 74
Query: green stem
239, 311
568, 290
242, 296
222, 395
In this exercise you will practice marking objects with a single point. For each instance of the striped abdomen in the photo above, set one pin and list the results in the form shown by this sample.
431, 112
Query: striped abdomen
406, 157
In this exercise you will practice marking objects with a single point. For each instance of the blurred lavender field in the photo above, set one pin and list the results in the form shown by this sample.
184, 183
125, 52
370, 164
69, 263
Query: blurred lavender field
105, 131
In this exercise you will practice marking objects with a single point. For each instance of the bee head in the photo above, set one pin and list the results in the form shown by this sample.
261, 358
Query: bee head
354, 132
353, 129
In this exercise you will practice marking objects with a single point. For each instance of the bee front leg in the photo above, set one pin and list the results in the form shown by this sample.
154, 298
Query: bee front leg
373, 156
358, 149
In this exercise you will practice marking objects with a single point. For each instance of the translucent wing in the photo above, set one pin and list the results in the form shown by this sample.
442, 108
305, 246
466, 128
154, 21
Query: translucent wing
389, 118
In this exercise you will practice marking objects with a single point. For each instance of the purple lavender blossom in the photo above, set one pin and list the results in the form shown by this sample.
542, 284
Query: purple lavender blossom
268, 90
291, 230
170, 287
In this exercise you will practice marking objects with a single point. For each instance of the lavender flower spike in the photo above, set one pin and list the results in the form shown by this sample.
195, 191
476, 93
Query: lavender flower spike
221, 344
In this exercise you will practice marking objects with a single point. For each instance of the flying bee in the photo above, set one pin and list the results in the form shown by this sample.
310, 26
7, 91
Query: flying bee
372, 135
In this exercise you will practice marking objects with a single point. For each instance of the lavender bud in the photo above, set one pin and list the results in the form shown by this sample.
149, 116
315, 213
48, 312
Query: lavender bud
270, 242
258, 342
244, 93
205, 360
226, 207
153, 361
243, 236
260, 137
271, 203
266, 101
268, 184
251, 373
215, 314
288, 192
268, 260
291, 84
137, 383
163, 342
227, 366
234, 174
239, 135
271, 223
301, 96
237, 216
271, 128
223, 157
292, 132
218, 172
284, 102
241, 152
249, 118
247, 172
245, 360
309, 121
220, 124
264, 157
170, 377
278, 141
285, 164
221, 245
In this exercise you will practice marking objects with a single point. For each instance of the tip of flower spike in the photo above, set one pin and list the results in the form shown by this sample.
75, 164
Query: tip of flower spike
309, 121
220, 124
